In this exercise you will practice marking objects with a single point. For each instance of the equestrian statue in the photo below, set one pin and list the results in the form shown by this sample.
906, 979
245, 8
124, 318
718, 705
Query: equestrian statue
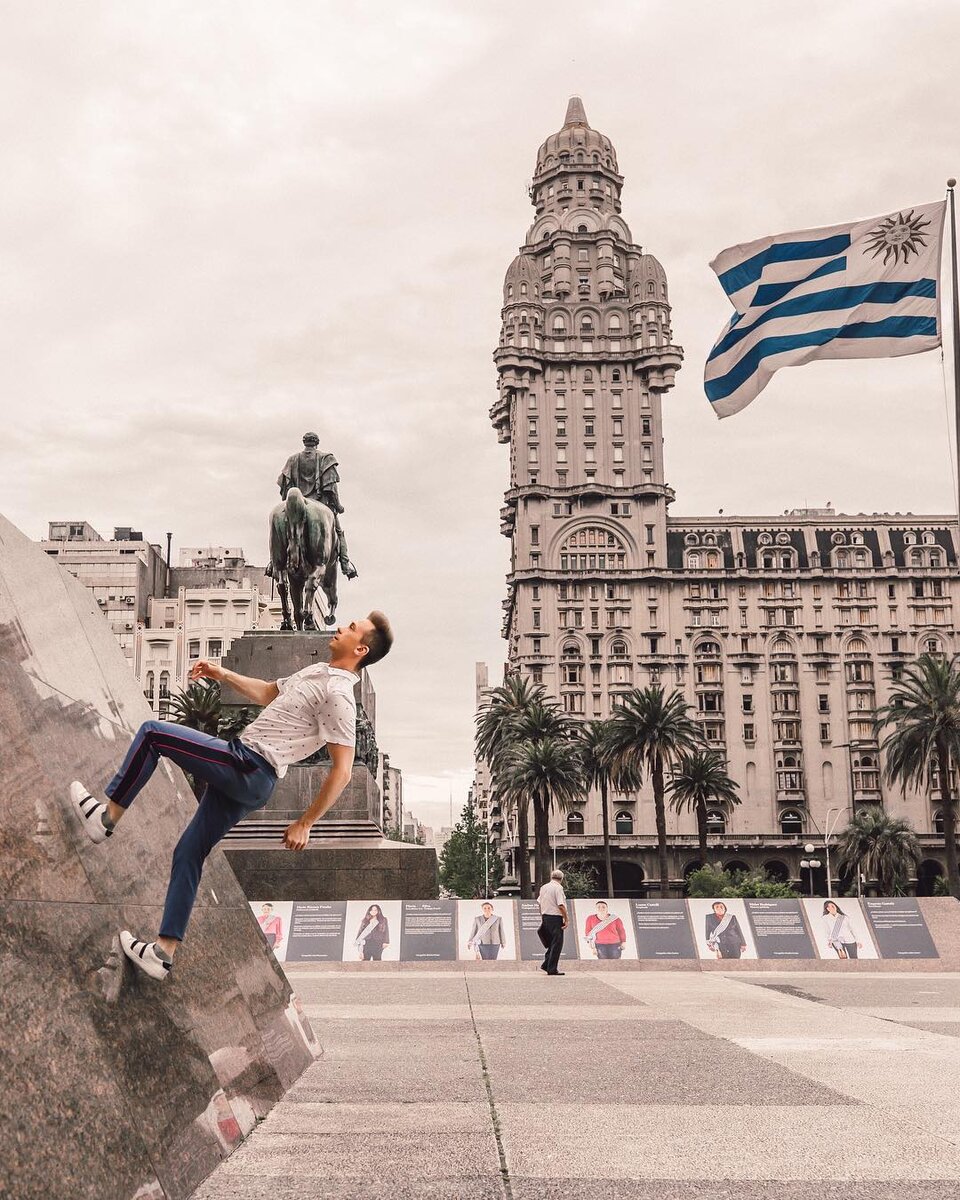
307, 544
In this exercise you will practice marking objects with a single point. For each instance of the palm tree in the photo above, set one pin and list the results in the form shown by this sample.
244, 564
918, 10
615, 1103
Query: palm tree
699, 777
517, 711
198, 706
923, 739
599, 771
879, 847
651, 730
549, 771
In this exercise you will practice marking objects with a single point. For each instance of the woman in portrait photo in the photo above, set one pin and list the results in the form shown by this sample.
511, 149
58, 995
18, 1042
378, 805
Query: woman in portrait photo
723, 933
840, 936
272, 926
373, 934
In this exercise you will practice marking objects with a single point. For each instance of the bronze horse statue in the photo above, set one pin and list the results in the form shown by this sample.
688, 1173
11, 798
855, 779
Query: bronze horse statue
304, 556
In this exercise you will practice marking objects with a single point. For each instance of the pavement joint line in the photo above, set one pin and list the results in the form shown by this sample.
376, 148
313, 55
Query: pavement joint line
494, 1115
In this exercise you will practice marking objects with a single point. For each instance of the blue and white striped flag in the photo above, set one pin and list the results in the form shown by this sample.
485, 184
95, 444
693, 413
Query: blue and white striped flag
862, 290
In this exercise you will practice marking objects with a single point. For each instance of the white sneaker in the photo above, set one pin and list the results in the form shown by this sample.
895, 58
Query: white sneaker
90, 811
144, 956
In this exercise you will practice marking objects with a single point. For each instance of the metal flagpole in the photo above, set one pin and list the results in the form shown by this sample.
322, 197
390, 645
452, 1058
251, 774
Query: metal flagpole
951, 184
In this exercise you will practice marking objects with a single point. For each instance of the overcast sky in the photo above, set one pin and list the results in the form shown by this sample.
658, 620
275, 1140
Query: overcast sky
223, 224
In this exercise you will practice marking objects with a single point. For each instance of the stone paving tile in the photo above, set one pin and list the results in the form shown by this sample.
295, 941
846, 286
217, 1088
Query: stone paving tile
312, 1118
579, 989
911, 1013
859, 991
947, 1028
296, 1187
355, 1156
675, 1142
553, 1188
638, 1064
379, 989
387, 1012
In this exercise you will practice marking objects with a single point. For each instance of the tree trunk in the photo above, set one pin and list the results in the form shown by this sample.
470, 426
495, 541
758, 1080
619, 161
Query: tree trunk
702, 830
664, 866
949, 820
523, 850
541, 818
605, 811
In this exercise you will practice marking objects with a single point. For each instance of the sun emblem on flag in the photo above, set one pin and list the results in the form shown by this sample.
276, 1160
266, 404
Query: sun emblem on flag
896, 238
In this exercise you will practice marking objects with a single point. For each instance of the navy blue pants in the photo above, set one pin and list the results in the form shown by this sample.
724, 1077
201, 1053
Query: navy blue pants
238, 780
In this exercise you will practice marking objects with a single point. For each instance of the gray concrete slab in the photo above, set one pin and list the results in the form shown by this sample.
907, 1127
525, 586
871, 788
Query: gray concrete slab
538, 989
367, 988
354, 1156
647, 1063
555, 1188
674, 1141
306, 1118
862, 991
296, 1187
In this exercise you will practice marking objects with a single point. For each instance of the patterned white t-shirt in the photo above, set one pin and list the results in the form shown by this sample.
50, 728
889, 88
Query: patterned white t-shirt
315, 706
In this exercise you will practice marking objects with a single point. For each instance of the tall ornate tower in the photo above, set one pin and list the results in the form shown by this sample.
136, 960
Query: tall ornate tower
585, 355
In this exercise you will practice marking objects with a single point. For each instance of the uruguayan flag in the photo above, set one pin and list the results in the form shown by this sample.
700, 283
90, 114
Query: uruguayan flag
866, 290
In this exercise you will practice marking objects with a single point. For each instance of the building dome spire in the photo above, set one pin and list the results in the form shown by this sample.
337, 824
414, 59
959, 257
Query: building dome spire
575, 113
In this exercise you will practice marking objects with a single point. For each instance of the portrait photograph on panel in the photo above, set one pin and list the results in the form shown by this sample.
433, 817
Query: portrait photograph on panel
604, 929
485, 931
722, 929
840, 930
372, 931
273, 917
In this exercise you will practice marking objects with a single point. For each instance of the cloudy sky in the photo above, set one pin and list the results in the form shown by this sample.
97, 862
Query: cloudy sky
222, 224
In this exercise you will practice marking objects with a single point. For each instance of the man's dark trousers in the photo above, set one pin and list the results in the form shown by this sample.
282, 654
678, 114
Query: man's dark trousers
550, 934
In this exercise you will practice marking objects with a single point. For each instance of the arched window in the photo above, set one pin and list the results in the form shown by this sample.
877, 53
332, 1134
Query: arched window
148, 690
615, 323
624, 822
791, 823
781, 646
935, 558
619, 649
582, 228
842, 558
716, 822
938, 821
559, 325
615, 376
693, 559
586, 325
570, 650
561, 377
592, 548
777, 871
707, 649
651, 288
588, 376
574, 823
856, 645
164, 684
711, 560
916, 558
860, 558
523, 289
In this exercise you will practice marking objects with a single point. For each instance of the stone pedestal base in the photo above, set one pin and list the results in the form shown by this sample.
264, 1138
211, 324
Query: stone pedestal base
380, 870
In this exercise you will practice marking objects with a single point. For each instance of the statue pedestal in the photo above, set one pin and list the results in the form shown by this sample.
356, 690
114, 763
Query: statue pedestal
348, 857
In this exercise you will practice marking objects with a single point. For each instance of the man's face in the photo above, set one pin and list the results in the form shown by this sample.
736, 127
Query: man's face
348, 640
310, 443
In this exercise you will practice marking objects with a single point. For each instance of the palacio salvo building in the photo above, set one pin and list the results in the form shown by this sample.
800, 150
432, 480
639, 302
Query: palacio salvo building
782, 632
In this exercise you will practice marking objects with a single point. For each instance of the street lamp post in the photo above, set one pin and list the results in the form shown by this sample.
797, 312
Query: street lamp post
810, 864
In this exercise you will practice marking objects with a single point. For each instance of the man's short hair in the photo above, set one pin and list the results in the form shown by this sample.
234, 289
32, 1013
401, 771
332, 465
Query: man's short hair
378, 641
557, 875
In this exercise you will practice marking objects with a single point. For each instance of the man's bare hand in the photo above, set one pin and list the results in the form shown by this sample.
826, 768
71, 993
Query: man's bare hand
202, 669
297, 835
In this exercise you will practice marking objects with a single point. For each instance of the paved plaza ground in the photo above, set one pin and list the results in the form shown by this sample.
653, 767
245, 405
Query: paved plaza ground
459, 1085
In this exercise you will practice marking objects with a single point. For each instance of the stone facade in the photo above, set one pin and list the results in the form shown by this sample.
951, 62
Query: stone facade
782, 632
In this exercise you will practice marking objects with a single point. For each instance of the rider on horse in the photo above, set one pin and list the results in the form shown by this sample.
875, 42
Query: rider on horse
316, 475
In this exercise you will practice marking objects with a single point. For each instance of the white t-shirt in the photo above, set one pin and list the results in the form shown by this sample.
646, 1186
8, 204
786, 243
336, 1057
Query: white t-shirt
315, 706
550, 898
